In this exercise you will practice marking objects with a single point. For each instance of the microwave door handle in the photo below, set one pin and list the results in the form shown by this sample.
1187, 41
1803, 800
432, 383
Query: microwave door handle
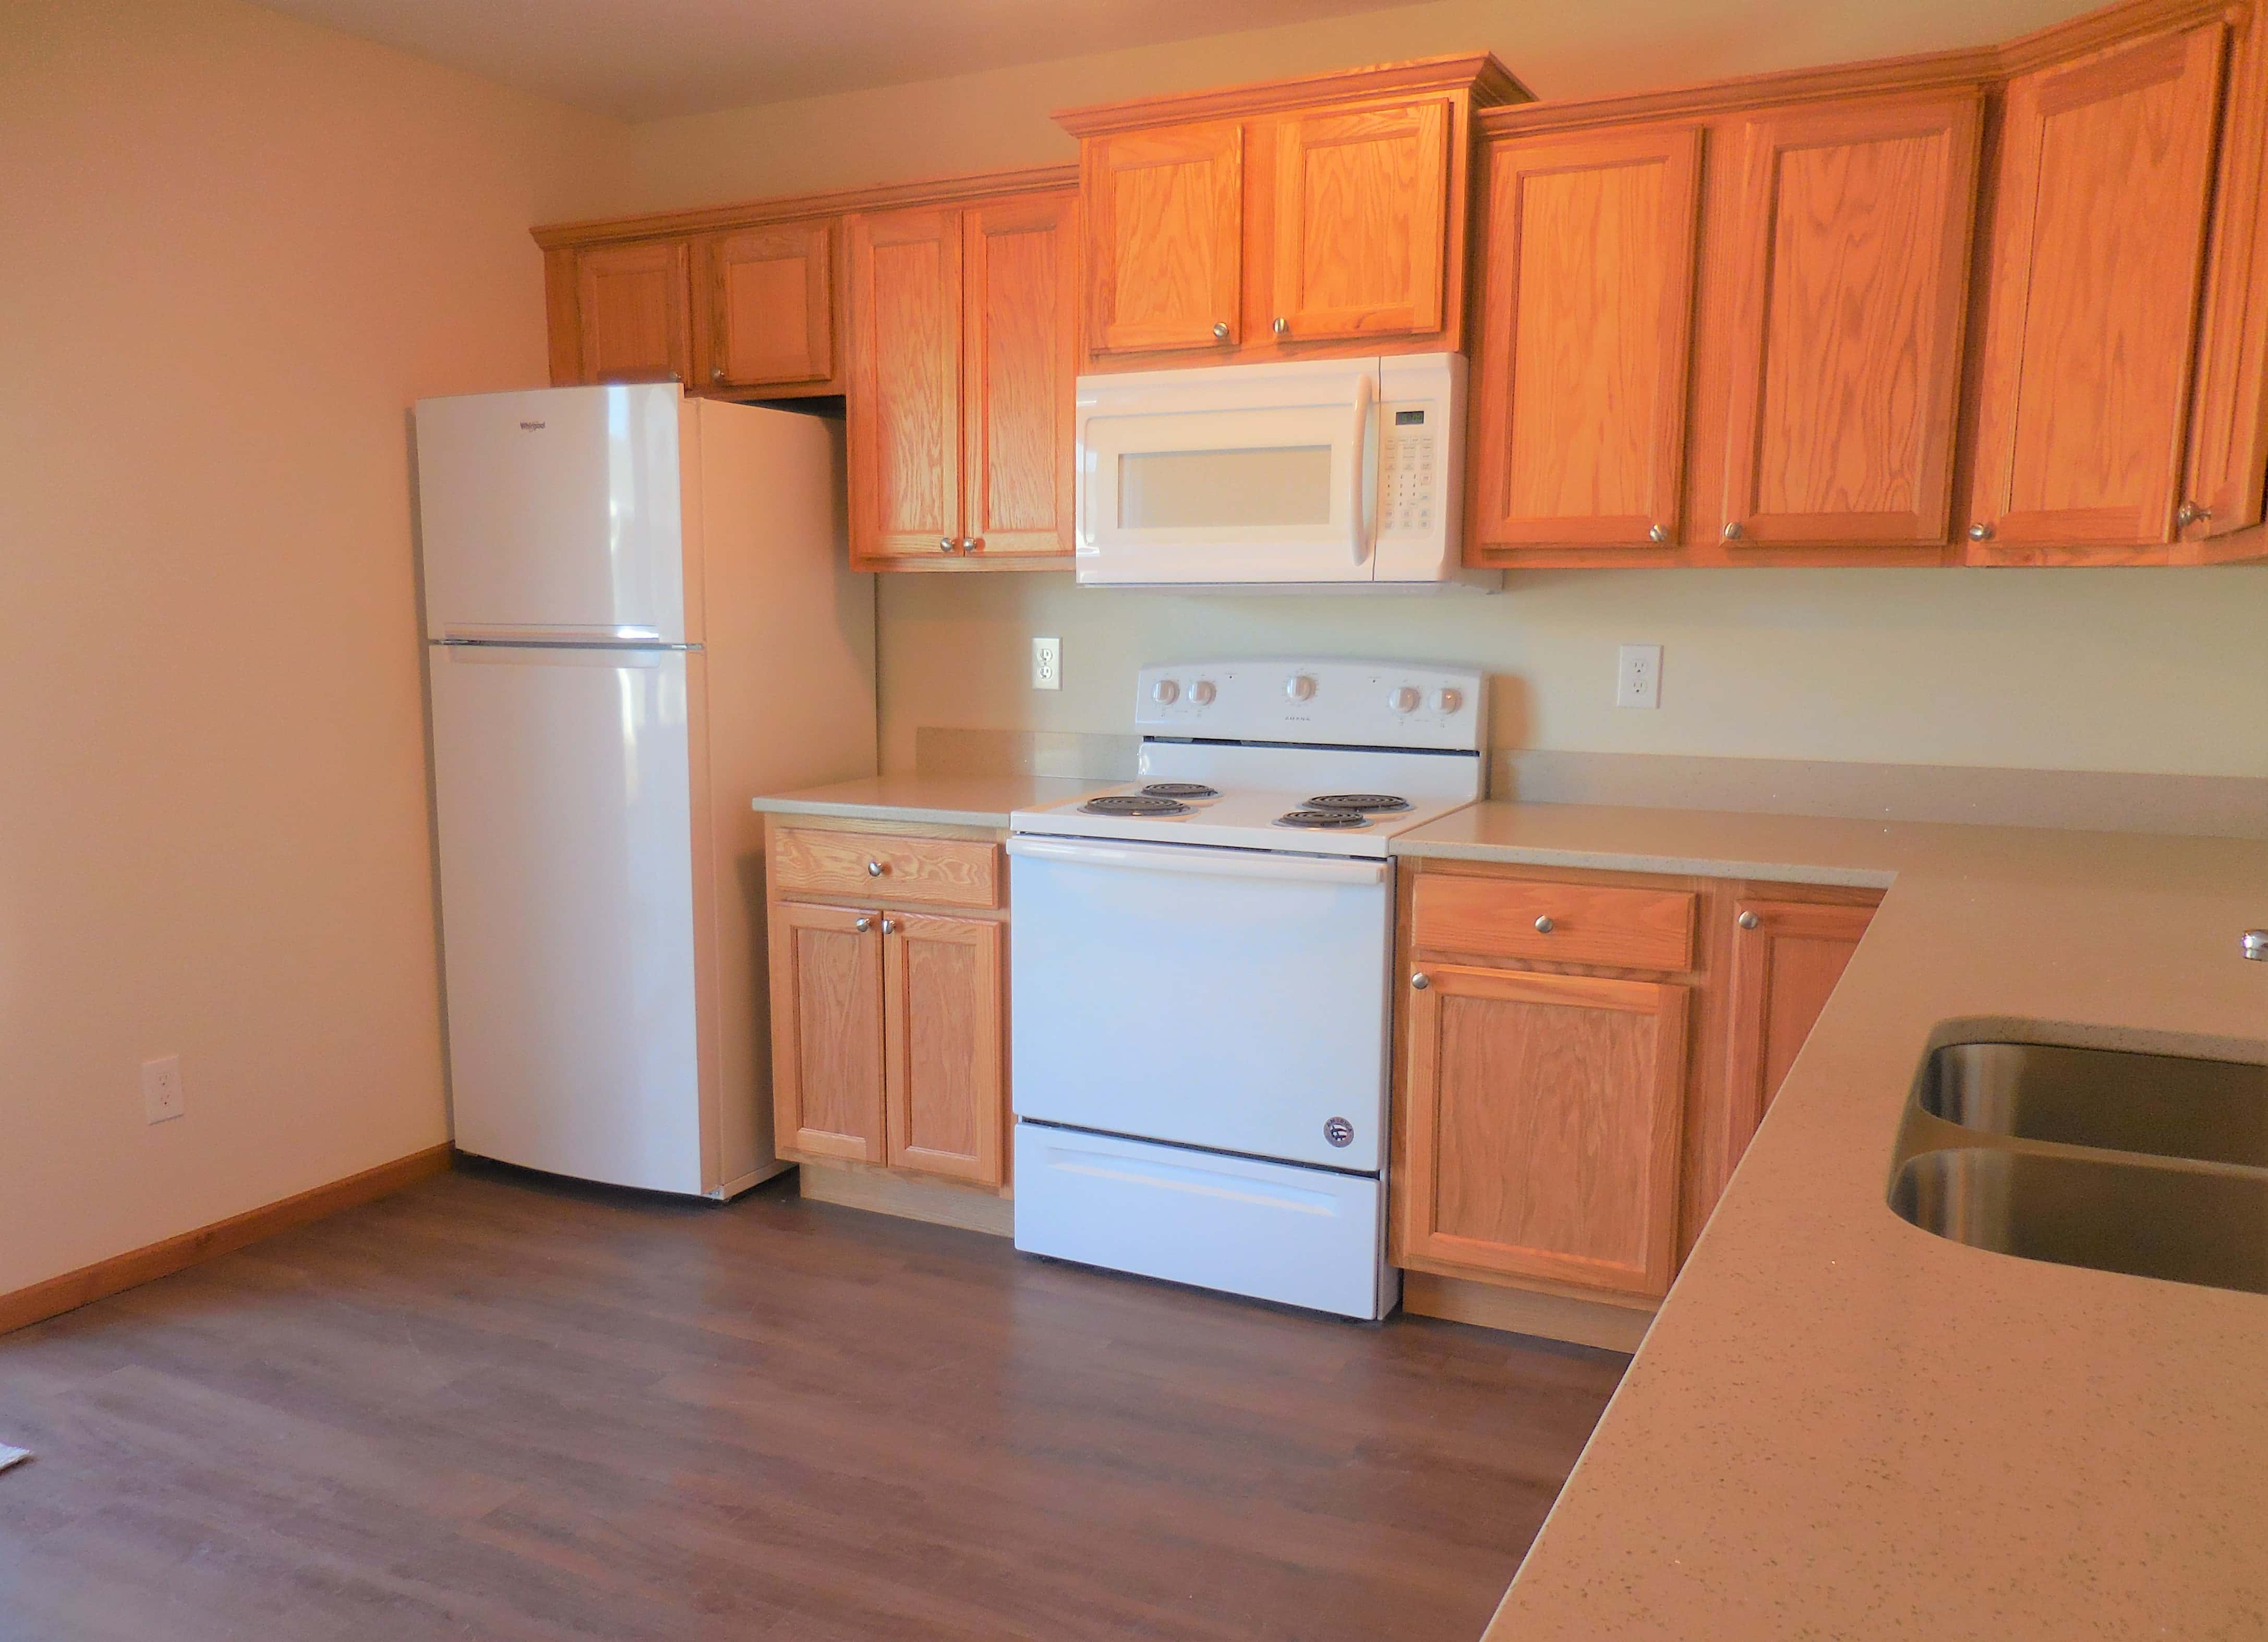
1358, 535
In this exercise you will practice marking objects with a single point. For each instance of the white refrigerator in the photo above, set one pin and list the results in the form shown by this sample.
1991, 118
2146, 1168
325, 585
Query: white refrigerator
639, 614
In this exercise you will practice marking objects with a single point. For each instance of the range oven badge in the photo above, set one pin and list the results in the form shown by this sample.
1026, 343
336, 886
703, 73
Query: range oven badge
1338, 1131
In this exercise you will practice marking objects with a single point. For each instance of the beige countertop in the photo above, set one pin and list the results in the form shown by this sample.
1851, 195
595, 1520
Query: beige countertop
939, 801
1840, 1425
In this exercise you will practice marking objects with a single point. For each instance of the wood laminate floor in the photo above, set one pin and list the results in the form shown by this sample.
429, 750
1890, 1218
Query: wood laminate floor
497, 1407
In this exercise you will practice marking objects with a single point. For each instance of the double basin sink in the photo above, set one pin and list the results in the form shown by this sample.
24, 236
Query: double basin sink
2155, 1165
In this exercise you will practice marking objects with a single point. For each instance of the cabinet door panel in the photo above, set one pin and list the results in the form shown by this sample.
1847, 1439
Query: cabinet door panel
1165, 215
632, 309
1850, 286
1020, 261
771, 306
904, 405
943, 1011
1361, 206
2098, 244
2228, 435
827, 1032
1542, 1126
1783, 970
1586, 331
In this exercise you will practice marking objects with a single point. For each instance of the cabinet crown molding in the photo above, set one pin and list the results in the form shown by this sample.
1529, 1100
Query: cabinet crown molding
793, 207
1479, 74
1922, 71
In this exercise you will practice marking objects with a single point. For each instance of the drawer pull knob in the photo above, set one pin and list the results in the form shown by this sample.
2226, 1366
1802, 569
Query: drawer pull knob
2255, 946
873, 869
1220, 330
864, 924
2190, 513
1732, 531
1749, 920
1657, 533
890, 927
1544, 925
1420, 981
1980, 532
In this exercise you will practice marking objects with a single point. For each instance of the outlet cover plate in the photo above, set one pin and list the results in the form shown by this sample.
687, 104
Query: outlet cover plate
1047, 664
1638, 676
162, 1095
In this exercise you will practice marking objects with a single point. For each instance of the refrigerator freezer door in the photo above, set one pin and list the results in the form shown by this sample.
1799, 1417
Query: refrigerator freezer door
557, 509
567, 884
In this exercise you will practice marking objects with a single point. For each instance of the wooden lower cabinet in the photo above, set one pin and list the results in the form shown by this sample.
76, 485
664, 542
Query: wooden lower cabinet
1567, 1115
1542, 1124
889, 1023
944, 989
1787, 959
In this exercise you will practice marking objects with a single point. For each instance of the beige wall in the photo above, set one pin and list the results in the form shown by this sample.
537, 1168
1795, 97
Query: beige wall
235, 249
2156, 671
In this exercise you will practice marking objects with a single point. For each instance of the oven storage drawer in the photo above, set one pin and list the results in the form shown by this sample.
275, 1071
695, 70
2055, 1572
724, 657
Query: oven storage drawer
886, 868
1629, 928
1274, 1230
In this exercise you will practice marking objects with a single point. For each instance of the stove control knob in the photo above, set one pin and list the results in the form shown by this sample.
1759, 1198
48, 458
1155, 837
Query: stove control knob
1165, 692
1300, 686
1448, 701
1406, 699
1202, 692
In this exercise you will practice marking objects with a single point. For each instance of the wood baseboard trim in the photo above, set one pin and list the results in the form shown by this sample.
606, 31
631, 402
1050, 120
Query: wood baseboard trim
970, 1208
1609, 1326
136, 1266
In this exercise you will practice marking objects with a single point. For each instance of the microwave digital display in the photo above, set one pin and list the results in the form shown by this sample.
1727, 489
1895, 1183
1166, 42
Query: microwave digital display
1408, 418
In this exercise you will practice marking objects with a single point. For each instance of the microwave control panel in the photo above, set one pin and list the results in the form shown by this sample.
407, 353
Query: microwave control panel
1409, 468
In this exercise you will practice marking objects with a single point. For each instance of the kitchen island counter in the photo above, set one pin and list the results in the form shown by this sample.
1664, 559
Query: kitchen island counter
1840, 1425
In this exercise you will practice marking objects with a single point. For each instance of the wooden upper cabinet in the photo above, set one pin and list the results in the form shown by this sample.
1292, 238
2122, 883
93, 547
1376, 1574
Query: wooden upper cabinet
1788, 956
1577, 433
827, 1032
769, 323
1847, 256
1020, 262
1165, 229
2228, 430
632, 312
2098, 250
1542, 1127
905, 384
1361, 205
944, 1009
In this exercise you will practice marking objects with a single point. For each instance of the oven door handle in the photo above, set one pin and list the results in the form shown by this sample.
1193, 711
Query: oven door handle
1192, 858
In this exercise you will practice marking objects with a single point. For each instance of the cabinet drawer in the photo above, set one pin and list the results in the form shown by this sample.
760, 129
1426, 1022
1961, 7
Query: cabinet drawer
879, 867
1602, 924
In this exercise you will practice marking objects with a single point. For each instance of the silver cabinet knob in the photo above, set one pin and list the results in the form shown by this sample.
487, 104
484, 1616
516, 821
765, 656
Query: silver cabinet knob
946, 544
1419, 982
1747, 920
2190, 513
1657, 533
2255, 946
969, 544
1282, 325
890, 927
873, 869
717, 374
863, 925
1544, 925
1220, 330
1732, 531
1980, 532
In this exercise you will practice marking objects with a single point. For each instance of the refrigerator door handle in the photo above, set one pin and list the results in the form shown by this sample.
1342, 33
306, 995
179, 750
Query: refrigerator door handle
485, 633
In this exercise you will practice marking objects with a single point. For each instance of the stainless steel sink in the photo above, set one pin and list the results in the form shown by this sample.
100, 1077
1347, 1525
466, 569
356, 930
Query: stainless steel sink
2154, 1165
2181, 1225
2162, 1105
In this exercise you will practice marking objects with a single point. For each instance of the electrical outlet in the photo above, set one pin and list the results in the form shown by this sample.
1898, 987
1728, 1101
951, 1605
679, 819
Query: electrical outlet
1047, 664
162, 1095
1638, 676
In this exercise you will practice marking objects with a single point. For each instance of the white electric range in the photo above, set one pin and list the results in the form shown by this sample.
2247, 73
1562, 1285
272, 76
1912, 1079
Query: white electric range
1199, 983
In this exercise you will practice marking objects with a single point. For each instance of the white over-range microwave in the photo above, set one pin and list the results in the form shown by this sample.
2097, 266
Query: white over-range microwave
1335, 474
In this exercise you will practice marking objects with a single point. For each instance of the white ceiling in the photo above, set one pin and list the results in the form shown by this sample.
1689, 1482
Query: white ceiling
650, 59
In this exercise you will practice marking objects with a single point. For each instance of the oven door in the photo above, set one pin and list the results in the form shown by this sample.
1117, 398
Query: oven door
1230, 998
1265, 474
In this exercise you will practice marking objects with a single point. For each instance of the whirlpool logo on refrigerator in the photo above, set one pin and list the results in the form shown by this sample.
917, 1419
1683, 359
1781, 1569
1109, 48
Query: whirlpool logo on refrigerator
531, 427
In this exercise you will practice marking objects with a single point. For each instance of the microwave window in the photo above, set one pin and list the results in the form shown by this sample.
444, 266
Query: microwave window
1279, 484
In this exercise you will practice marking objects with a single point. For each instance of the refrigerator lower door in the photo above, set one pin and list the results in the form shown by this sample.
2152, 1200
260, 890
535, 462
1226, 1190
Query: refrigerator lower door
564, 808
